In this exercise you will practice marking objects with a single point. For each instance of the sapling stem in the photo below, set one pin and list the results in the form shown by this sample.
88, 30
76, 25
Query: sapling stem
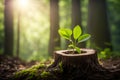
77, 37
73, 47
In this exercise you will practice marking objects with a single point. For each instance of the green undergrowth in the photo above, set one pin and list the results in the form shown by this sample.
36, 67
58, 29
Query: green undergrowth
36, 72
108, 53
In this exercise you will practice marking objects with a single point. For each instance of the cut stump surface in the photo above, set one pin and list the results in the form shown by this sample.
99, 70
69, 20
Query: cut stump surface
84, 66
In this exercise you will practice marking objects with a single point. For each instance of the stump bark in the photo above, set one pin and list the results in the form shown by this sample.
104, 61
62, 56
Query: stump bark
87, 60
84, 66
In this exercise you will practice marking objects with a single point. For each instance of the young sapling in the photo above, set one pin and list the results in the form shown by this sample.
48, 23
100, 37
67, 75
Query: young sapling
75, 37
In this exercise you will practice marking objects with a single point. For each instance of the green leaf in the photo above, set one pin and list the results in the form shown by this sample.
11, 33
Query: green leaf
71, 46
77, 32
65, 33
84, 38
77, 49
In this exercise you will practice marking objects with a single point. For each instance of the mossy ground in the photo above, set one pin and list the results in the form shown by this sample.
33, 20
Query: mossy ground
9, 68
36, 72
42, 72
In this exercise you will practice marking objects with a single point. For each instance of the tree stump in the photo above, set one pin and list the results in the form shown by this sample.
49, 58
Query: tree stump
84, 66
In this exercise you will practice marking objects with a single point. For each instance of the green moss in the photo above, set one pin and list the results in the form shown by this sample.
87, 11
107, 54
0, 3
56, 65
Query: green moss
30, 73
45, 74
39, 66
61, 67
38, 72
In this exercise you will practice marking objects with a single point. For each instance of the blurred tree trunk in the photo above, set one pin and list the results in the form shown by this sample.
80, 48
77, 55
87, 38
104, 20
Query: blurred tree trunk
76, 16
54, 42
18, 34
8, 27
98, 24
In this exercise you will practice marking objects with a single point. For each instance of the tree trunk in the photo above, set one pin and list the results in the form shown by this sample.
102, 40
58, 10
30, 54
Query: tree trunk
8, 24
87, 60
84, 66
18, 34
76, 16
54, 42
98, 24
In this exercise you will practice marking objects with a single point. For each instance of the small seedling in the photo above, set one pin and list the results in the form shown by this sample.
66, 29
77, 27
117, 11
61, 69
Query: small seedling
77, 37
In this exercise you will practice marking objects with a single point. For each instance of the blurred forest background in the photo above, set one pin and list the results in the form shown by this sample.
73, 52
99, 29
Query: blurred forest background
28, 28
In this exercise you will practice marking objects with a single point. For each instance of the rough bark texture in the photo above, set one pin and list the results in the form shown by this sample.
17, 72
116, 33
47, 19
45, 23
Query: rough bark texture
83, 66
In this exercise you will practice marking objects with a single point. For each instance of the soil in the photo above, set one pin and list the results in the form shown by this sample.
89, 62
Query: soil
10, 65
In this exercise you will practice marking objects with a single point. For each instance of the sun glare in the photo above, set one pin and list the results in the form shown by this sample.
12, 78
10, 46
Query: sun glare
23, 3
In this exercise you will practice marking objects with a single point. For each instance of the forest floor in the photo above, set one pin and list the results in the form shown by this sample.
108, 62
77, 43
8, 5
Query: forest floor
10, 65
